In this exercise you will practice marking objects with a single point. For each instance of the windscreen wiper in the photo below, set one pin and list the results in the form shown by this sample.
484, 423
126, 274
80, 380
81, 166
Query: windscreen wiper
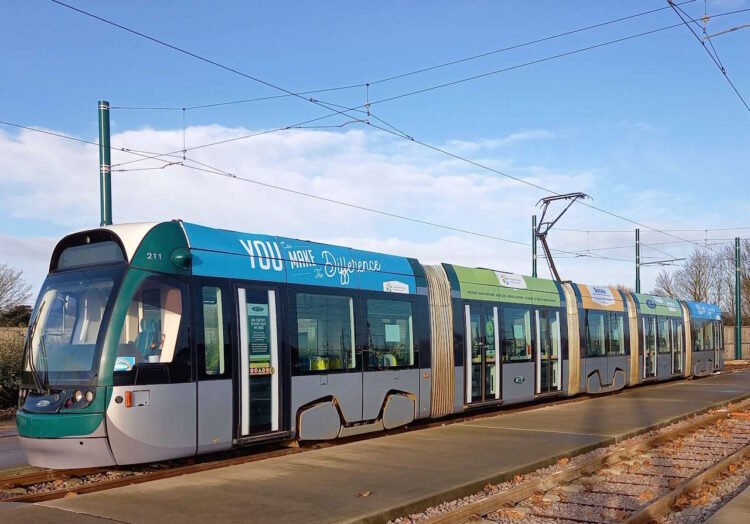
38, 387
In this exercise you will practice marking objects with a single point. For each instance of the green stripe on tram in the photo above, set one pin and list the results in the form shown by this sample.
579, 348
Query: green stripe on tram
57, 425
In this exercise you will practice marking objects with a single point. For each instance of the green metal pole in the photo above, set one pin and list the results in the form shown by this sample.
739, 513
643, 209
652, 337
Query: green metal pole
105, 166
637, 260
533, 246
737, 300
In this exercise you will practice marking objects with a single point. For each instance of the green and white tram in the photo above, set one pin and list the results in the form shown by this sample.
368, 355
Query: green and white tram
157, 341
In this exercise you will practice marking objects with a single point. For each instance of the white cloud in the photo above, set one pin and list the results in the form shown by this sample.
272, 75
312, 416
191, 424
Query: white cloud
31, 254
55, 183
496, 143
638, 125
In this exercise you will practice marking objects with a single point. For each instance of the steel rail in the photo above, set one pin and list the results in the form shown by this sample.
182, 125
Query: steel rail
525, 490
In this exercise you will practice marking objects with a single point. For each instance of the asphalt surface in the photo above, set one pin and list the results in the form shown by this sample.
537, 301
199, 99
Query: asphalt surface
376, 479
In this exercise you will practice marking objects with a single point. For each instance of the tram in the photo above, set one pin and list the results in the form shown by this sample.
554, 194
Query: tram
157, 341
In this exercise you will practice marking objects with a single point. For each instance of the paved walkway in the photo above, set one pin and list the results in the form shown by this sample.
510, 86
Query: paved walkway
11, 454
737, 511
403, 473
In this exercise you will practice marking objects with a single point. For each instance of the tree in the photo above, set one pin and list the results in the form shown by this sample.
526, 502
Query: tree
14, 291
16, 316
664, 285
698, 278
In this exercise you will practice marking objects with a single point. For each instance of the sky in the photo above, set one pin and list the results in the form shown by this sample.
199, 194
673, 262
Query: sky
648, 126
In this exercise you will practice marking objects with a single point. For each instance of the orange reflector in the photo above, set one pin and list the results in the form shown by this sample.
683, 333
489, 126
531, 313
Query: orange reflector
128, 399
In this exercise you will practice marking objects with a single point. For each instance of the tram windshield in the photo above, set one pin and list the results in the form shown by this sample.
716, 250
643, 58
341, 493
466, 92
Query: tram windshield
65, 327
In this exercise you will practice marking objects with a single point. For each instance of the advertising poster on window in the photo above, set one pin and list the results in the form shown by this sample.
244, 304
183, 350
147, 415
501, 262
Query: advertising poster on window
259, 338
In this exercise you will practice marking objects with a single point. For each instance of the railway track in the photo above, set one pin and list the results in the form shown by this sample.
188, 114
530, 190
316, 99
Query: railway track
43, 485
637, 482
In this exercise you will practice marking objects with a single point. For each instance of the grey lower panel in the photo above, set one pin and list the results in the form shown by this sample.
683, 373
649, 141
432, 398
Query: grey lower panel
605, 374
663, 366
518, 382
319, 422
700, 363
346, 388
160, 425
398, 411
425, 393
67, 453
460, 391
597, 374
710, 361
565, 375
214, 415
619, 371
377, 385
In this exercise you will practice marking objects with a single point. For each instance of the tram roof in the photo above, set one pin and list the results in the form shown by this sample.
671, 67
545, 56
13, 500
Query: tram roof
702, 310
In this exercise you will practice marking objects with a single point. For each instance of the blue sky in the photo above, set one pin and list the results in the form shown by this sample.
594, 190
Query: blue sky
648, 127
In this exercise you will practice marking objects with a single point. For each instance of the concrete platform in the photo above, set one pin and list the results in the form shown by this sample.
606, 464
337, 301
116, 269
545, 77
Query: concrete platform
738, 510
402, 473
11, 454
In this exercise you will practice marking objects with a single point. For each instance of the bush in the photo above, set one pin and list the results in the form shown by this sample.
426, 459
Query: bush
11, 355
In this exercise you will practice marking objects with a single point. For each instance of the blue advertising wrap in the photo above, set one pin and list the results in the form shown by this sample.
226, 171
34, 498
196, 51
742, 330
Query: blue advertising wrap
705, 311
229, 254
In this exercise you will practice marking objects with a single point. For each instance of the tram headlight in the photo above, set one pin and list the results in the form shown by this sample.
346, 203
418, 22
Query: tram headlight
77, 396
89, 396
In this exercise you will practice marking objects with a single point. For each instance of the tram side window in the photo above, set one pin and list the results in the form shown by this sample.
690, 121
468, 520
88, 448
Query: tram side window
390, 334
596, 334
708, 335
650, 333
325, 333
663, 335
718, 334
616, 345
516, 334
698, 335
151, 332
213, 331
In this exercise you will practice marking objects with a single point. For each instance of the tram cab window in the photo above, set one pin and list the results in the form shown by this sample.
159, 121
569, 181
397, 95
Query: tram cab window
516, 334
151, 332
390, 334
325, 333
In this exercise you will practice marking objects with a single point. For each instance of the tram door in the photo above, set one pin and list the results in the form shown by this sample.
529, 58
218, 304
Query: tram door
259, 361
548, 368
718, 345
649, 347
678, 354
482, 355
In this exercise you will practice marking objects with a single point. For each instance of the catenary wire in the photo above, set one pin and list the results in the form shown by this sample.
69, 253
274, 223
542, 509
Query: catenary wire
714, 59
344, 111
424, 144
207, 168
421, 70
80, 140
